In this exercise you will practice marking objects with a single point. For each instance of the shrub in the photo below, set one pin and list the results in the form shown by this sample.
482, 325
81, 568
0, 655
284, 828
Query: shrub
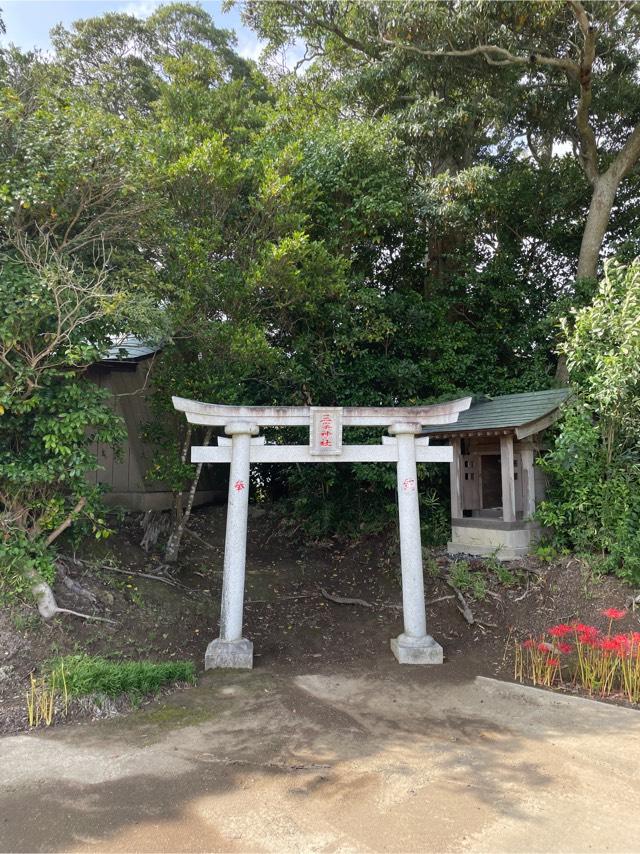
593, 503
19, 557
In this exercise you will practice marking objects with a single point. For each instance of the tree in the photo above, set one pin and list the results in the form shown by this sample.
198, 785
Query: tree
69, 218
570, 68
124, 60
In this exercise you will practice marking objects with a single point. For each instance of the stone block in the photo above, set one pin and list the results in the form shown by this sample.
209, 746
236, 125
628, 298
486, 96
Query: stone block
237, 654
410, 650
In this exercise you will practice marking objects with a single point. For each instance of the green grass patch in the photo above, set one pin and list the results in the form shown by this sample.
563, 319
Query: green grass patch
473, 583
90, 675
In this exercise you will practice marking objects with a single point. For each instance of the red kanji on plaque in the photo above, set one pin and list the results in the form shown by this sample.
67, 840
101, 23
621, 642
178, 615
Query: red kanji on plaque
239, 485
326, 431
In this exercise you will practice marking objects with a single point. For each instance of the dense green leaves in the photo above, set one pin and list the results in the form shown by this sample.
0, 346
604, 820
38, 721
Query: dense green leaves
72, 275
383, 226
594, 501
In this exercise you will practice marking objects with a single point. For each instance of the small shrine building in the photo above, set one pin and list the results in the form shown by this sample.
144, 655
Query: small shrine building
495, 483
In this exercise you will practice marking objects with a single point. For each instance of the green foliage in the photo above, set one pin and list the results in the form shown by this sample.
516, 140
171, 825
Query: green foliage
70, 208
371, 230
473, 583
19, 556
504, 574
594, 500
436, 520
91, 675
431, 567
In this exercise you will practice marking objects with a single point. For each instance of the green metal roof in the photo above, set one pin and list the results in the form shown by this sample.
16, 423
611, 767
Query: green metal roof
129, 348
508, 411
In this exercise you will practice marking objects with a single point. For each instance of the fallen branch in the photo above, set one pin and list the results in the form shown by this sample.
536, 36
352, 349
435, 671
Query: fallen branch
463, 607
223, 760
523, 595
439, 599
163, 579
148, 575
632, 601
199, 538
530, 571
86, 616
344, 600
281, 599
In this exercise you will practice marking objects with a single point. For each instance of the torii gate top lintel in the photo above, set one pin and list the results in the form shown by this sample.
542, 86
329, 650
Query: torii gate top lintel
214, 414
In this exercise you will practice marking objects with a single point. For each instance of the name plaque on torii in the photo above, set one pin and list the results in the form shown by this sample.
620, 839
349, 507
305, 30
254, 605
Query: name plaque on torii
242, 446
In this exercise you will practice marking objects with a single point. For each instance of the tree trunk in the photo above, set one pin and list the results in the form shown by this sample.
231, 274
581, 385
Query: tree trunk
173, 544
604, 193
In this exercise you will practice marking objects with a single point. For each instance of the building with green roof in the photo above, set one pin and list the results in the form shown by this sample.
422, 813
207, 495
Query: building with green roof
495, 482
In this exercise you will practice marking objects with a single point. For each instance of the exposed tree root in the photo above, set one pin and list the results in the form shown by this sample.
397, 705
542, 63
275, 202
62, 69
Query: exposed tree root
344, 600
47, 605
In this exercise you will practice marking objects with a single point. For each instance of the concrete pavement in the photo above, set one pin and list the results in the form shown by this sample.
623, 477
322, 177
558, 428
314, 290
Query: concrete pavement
400, 760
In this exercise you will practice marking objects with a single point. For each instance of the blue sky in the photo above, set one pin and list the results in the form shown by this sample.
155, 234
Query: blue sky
28, 21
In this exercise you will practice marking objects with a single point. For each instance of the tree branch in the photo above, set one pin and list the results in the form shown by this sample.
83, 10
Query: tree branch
627, 157
588, 144
64, 525
492, 54
581, 16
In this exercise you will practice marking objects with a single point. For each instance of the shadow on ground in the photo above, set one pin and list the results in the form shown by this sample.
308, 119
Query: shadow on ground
400, 759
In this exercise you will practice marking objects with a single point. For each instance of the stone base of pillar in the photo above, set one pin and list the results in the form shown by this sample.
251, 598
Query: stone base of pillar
237, 654
410, 650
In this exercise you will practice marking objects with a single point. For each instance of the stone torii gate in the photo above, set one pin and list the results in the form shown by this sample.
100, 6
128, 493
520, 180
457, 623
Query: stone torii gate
242, 446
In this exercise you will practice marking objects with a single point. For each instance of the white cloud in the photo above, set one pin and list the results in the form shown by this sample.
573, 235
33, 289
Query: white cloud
250, 47
141, 8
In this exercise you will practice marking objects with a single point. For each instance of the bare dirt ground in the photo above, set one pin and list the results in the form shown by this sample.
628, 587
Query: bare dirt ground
295, 629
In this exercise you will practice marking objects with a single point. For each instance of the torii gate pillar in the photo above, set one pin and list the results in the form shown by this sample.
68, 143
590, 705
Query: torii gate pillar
414, 645
231, 649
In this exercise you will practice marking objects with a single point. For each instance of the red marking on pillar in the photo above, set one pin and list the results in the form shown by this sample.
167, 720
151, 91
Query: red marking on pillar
408, 485
239, 485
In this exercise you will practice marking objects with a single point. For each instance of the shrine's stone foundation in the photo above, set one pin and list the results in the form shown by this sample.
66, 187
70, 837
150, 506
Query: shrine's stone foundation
505, 540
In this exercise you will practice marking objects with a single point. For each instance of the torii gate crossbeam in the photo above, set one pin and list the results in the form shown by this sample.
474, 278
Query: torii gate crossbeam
243, 447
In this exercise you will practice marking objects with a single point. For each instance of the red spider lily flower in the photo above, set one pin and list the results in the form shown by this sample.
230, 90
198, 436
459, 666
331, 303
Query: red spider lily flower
560, 630
614, 613
553, 662
588, 639
608, 645
589, 631
564, 647
528, 644
544, 647
621, 640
